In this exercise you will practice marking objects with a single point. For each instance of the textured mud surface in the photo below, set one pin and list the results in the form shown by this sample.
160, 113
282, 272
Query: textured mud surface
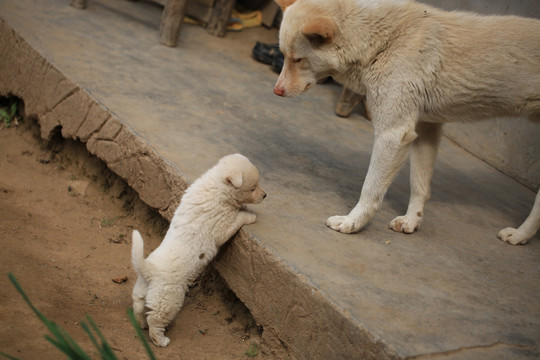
65, 234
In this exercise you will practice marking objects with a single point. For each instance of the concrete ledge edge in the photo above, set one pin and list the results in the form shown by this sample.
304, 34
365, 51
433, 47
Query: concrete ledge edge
282, 301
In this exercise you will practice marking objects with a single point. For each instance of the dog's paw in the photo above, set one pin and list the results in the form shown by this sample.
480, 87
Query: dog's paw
248, 217
405, 224
159, 339
513, 236
343, 224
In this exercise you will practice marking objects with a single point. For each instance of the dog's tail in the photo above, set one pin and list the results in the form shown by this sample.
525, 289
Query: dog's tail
137, 251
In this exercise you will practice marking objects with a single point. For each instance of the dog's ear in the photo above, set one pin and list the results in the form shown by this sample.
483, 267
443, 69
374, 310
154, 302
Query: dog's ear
285, 3
320, 31
235, 179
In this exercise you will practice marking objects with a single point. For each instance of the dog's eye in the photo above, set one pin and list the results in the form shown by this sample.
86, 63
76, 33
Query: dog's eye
253, 189
297, 60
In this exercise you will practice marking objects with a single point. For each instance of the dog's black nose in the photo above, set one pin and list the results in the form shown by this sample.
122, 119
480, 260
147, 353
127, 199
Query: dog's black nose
264, 197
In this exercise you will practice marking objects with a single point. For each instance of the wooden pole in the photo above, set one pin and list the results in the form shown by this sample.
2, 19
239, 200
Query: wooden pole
220, 17
171, 21
79, 4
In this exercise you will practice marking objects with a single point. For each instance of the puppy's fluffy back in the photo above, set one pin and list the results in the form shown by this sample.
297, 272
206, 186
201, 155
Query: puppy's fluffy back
200, 224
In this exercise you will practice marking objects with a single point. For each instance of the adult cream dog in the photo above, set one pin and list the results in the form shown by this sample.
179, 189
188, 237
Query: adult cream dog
212, 210
418, 67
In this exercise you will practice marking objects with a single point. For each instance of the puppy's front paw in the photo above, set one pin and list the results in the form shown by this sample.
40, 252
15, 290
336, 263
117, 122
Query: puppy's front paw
513, 236
405, 224
342, 224
248, 217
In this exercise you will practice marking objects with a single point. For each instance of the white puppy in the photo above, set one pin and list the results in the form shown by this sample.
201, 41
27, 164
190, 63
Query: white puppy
212, 210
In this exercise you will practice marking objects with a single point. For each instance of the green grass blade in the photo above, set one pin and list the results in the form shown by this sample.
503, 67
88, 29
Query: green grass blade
105, 349
26, 299
90, 335
140, 335
73, 344
65, 343
62, 346
8, 356
13, 110
61, 340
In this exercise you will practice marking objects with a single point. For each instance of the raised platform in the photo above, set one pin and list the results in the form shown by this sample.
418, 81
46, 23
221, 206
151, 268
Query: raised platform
160, 116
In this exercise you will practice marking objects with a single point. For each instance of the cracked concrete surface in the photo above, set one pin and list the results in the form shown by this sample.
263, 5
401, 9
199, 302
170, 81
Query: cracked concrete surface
159, 117
58, 103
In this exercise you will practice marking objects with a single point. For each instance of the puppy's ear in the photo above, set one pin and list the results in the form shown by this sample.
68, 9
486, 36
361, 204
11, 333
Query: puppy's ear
320, 31
235, 179
285, 3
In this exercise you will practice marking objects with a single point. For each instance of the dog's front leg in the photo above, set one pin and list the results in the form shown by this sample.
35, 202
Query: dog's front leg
530, 226
389, 151
242, 218
423, 154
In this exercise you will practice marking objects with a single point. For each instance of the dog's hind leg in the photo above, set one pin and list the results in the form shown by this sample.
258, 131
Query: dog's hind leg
423, 154
527, 230
164, 303
389, 151
139, 295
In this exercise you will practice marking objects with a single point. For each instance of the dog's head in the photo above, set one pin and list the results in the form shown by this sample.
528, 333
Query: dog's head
242, 179
307, 39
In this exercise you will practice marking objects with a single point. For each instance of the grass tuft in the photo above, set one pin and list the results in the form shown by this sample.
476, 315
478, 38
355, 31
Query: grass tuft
65, 343
8, 114
253, 350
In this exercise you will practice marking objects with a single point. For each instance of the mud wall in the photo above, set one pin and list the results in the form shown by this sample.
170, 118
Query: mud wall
311, 327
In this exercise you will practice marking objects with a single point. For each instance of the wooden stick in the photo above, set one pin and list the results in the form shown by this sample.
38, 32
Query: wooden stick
79, 4
171, 21
220, 17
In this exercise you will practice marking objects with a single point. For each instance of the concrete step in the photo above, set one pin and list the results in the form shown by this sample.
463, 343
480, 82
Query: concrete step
160, 116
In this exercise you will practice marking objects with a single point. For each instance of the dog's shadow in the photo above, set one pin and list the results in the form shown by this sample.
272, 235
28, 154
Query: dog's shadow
310, 166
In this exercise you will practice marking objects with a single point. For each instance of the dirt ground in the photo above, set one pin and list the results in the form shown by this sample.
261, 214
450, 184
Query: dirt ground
65, 233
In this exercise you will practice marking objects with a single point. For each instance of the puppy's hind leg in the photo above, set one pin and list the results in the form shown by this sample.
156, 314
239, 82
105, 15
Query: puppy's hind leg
139, 298
164, 303
527, 230
423, 154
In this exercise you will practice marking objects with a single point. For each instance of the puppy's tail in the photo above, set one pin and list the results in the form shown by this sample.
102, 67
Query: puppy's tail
137, 251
